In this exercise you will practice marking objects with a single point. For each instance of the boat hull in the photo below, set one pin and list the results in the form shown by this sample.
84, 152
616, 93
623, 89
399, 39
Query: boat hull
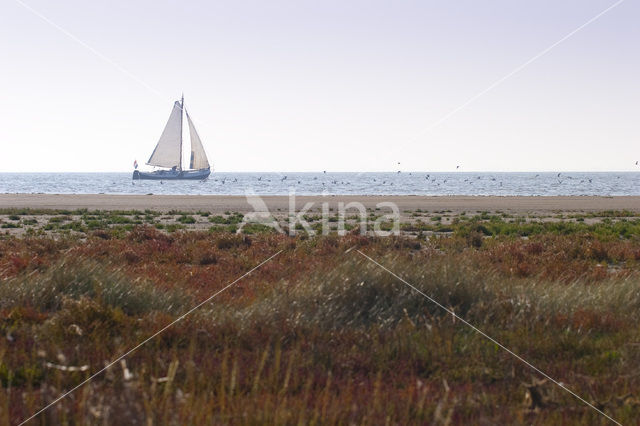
172, 175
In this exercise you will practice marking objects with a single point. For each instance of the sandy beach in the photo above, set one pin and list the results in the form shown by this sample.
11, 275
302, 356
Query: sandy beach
223, 203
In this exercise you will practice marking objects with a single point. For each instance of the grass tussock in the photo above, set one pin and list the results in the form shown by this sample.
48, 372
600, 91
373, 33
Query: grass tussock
358, 294
47, 291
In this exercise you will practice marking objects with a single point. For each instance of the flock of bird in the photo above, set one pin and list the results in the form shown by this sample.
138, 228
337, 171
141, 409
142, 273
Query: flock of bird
428, 178
560, 178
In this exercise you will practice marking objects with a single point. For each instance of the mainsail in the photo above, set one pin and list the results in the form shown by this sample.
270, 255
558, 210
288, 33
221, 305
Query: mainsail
198, 156
168, 152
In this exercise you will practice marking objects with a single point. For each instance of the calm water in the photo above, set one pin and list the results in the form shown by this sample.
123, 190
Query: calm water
627, 183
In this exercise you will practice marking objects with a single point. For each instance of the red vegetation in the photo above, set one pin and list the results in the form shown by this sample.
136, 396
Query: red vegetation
317, 334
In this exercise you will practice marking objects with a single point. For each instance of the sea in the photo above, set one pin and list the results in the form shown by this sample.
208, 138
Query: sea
352, 183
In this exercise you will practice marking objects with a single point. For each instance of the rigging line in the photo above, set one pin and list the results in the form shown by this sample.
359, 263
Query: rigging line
491, 339
139, 345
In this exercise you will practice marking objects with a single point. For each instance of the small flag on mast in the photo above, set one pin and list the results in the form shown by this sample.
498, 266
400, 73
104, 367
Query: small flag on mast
135, 164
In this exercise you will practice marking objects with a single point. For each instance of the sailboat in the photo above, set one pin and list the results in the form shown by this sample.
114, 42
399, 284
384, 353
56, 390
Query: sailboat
168, 152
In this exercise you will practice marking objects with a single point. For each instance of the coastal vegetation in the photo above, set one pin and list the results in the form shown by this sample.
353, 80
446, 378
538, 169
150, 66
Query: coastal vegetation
603, 225
319, 334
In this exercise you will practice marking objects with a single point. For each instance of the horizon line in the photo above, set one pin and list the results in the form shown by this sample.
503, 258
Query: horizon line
347, 171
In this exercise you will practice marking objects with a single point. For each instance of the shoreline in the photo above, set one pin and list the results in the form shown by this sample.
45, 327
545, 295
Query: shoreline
274, 203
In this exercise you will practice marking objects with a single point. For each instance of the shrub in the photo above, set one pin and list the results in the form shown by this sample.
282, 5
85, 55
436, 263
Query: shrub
187, 219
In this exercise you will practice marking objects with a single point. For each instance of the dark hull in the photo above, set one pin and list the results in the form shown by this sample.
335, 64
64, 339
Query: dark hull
172, 175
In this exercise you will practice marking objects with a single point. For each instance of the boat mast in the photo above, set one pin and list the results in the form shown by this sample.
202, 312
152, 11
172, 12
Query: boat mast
181, 115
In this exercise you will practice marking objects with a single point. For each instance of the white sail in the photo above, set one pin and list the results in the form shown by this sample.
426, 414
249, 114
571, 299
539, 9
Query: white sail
198, 156
168, 151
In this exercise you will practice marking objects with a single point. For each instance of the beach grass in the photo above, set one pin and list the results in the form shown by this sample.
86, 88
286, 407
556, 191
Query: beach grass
320, 334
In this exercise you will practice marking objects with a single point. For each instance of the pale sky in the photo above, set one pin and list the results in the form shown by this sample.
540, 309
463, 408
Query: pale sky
322, 85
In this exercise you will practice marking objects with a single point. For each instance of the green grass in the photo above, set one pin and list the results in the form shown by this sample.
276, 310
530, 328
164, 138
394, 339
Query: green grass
230, 219
257, 228
10, 225
173, 227
186, 219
